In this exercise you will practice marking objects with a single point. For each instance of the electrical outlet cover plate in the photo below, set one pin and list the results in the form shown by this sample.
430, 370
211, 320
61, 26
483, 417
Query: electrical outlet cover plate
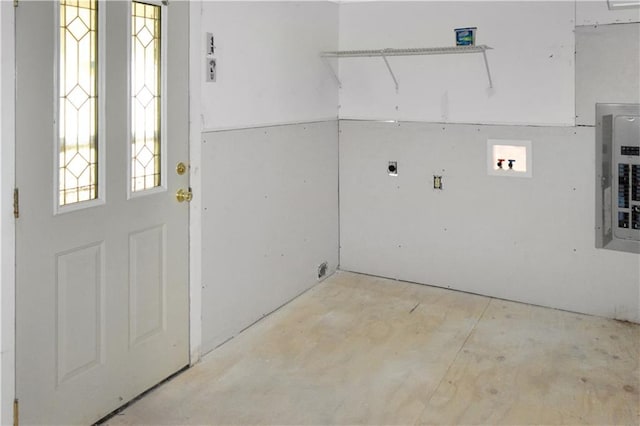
211, 70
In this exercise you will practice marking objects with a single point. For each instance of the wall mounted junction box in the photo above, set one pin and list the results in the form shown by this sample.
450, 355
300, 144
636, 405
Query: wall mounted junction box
618, 177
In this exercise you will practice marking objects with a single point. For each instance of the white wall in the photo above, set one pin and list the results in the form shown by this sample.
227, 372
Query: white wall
607, 67
266, 197
596, 12
529, 240
269, 68
7, 289
270, 218
532, 63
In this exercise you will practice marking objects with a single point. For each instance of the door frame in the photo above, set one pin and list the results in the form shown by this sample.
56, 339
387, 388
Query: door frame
196, 57
7, 222
7, 185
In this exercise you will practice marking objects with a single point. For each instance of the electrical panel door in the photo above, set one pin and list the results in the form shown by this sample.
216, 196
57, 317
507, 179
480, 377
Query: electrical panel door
618, 177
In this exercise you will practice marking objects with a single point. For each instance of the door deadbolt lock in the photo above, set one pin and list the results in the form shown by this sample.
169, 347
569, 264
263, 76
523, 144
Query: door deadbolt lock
181, 168
183, 195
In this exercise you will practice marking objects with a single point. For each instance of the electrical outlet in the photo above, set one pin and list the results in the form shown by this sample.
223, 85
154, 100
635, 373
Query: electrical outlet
437, 182
211, 70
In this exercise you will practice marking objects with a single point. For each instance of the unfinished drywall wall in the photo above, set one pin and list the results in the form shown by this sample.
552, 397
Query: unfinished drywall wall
268, 65
607, 67
268, 71
522, 239
532, 62
270, 218
265, 209
597, 12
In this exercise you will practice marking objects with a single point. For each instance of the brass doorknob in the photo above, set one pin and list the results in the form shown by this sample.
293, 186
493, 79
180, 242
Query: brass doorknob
183, 195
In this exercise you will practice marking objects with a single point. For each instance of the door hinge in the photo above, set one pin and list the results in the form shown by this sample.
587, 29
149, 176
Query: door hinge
16, 412
16, 203
15, 3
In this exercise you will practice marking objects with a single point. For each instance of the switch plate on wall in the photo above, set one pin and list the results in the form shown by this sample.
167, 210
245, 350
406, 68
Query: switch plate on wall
211, 63
210, 44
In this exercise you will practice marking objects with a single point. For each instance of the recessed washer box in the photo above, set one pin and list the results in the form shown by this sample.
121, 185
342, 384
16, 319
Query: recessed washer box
509, 158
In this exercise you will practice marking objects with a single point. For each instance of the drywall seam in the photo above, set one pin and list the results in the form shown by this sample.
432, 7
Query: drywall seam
268, 125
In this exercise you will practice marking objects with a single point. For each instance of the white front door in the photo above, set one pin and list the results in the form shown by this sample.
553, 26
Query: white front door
102, 242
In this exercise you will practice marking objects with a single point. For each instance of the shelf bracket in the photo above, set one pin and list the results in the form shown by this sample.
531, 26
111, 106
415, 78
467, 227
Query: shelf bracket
333, 71
393, 76
486, 64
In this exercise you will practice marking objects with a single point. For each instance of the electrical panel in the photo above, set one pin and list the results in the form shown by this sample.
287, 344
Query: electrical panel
618, 177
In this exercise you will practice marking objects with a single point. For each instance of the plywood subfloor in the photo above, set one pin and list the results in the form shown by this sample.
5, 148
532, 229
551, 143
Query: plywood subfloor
364, 350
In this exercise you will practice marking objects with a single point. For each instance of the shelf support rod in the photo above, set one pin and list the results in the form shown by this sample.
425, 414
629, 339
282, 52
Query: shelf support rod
486, 64
333, 71
393, 76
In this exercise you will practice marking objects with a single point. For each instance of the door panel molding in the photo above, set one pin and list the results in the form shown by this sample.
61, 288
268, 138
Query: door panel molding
147, 284
80, 272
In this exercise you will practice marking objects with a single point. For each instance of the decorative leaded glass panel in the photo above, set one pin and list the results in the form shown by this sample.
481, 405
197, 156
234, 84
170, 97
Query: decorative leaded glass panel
78, 103
145, 97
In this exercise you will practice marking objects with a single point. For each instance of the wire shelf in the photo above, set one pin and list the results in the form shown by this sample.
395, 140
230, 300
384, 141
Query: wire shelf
418, 51
406, 52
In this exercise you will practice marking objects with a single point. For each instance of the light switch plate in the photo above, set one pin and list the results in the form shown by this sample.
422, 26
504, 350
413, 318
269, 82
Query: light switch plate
210, 44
